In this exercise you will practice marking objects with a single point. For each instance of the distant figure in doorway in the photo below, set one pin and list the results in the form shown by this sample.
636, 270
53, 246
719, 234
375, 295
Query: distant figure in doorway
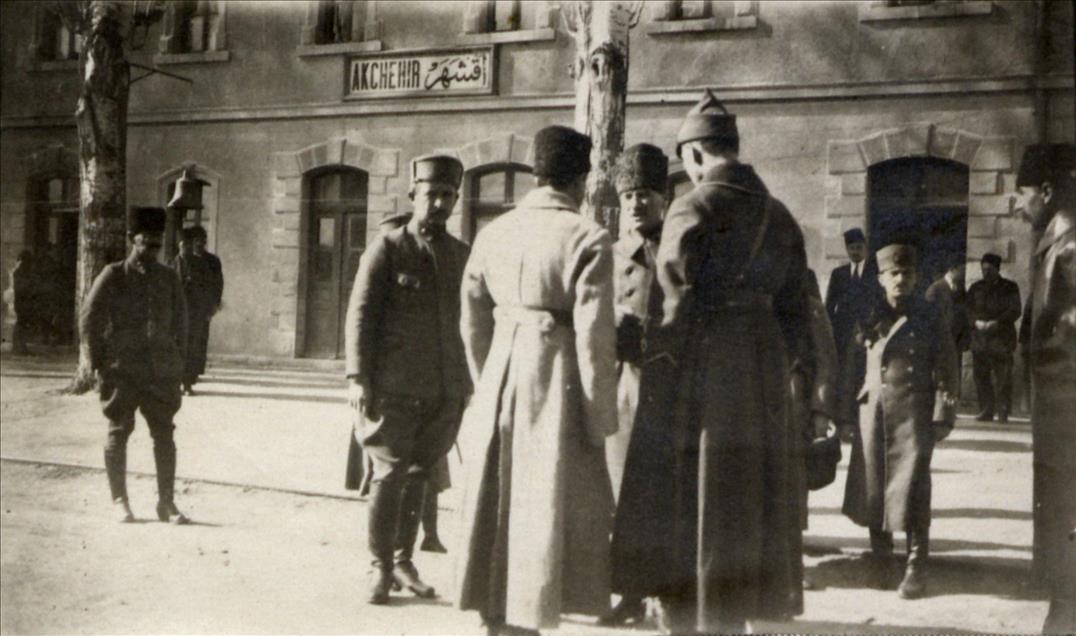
134, 321
203, 286
1046, 197
949, 294
851, 296
993, 309
23, 285
906, 404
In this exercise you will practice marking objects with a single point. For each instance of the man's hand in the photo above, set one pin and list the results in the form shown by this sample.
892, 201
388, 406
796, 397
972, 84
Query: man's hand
821, 424
942, 430
360, 396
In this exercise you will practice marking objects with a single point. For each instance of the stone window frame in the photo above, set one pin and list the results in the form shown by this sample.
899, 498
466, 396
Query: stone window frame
363, 18
882, 10
43, 32
210, 200
168, 42
667, 18
291, 170
480, 25
990, 175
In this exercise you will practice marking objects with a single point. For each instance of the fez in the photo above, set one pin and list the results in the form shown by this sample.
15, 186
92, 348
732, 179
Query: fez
895, 255
854, 235
562, 152
437, 168
642, 166
709, 119
1045, 162
147, 220
993, 259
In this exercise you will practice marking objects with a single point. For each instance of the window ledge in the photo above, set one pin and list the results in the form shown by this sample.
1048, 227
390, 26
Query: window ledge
870, 13
702, 25
341, 48
509, 37
200, 57
46, 66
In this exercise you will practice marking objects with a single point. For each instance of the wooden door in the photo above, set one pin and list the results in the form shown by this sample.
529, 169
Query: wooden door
336, 240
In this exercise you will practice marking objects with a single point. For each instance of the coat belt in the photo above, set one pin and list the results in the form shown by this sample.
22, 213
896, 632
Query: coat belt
734, 300
545, 319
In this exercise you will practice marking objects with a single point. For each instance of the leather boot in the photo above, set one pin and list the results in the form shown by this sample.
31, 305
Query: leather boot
383, 502
164, 455
914, 584
879, 560
116, 469
430, 541
404, 571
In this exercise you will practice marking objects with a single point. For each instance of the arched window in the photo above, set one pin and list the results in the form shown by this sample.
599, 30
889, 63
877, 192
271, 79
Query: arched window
336, 238
922, 201
493, 191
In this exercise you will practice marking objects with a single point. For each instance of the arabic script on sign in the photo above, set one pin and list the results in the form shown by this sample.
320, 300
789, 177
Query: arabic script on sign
420, 74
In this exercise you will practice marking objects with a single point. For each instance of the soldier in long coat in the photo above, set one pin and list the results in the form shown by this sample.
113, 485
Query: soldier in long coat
134, 322
203, 286
406, 369
708, 526
641, 182
538, 326
1046, 196
905, 404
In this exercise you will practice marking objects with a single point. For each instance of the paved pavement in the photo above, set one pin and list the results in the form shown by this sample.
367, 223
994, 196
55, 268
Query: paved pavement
288, 429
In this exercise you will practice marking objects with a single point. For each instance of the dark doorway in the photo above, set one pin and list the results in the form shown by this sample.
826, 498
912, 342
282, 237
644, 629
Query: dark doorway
336, 238
922, 201
53, 239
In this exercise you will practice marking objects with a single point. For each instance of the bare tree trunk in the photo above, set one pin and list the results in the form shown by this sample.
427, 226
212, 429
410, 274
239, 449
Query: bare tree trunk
101, 117
600, 70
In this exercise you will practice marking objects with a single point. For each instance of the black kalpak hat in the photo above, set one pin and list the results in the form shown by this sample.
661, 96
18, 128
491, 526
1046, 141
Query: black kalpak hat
709, 119
854, 235
147, 220
560, 151
993, 259
642, 166
1046, 162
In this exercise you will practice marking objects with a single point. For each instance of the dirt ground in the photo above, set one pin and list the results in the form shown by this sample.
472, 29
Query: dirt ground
263, 562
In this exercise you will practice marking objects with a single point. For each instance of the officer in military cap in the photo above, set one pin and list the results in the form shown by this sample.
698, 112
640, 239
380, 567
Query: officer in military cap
906, 404
641, 180
405, 366
1046, 198
134, 321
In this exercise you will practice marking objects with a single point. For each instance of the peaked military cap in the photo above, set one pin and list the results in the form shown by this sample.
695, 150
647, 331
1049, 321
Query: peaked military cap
854, 235
439, 168
642, 166
992, 259
709, 119
1046, 162
147, 220
896, 255
560, 151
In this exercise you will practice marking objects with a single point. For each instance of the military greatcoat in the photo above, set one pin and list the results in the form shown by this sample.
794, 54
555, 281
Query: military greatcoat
706, 507
538, 325
1053, 402
911, 366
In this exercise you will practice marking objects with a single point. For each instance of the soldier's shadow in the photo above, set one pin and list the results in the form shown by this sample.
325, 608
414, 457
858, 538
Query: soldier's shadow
1000, 577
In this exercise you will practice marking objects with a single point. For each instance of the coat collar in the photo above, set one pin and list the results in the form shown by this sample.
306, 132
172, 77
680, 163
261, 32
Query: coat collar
739, 176
1062, 224
632, 245
548, 198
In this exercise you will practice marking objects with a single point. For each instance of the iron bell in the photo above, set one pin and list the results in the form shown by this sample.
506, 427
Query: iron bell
188, 193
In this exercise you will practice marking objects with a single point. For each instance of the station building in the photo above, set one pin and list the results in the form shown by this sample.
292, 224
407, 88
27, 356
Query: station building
302, 117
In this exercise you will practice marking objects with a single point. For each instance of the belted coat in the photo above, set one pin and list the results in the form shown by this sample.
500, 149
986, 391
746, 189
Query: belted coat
1052, 355
911, 369
538, 328
708, 502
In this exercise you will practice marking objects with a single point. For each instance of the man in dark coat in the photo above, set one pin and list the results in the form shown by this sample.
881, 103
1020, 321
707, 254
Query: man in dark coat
203, 286
641, 181
134, 322
712, 526
949, 295
406, 368
23, 284
906, 404
993, 309
1046, 196
852, 292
